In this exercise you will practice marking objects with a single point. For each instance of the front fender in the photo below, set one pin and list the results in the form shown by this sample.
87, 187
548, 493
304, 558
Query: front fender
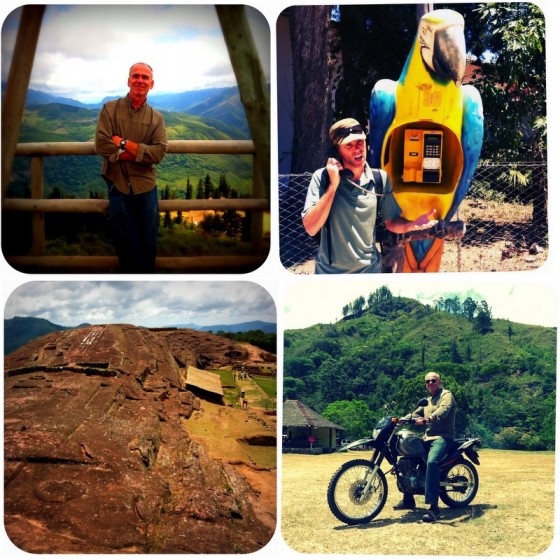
358, 443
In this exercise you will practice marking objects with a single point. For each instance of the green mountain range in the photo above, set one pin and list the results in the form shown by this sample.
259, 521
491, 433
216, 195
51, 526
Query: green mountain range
503, 374
20, 330
205, 115
223, 104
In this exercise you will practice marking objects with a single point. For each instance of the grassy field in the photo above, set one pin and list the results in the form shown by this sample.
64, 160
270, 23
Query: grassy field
512, 515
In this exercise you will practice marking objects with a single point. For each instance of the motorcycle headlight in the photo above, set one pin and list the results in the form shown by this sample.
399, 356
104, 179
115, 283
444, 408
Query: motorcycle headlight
382, 425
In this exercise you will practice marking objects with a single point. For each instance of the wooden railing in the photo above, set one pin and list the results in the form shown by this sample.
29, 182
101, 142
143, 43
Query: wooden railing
38, 206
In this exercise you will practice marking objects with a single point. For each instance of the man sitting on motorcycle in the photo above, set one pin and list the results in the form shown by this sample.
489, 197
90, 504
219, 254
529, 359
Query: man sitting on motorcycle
439, 418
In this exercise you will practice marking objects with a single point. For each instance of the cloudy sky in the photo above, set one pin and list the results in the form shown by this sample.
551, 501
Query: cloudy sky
84, 52
520, 302
148, 304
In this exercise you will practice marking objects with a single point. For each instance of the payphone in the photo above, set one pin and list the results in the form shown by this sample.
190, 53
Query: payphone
422, 156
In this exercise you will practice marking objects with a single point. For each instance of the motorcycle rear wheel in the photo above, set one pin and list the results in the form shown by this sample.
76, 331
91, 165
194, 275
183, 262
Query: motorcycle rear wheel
345, 492
464, 474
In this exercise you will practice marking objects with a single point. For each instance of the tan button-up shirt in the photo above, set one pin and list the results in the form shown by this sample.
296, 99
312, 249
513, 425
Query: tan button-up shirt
146, 127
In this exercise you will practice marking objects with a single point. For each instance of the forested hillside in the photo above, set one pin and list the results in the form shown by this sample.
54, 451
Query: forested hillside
372, 363
20, 330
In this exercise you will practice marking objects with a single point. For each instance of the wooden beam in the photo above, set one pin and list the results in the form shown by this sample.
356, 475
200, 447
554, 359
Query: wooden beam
250, 80
82, 205
235, 147
218, 264
13, 104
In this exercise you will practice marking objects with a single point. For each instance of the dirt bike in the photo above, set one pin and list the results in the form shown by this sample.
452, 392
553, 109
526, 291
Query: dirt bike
358, 490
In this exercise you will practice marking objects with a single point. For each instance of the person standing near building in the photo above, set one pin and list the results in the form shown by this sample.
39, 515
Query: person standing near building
132, 139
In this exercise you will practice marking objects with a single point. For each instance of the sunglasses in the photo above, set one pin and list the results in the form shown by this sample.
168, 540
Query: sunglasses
344, 132
431, 381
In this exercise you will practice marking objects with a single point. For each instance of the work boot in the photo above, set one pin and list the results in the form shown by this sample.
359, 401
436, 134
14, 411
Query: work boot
432, 515
406, 503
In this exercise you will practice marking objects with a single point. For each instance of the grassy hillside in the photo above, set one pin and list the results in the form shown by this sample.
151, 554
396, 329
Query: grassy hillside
504, 379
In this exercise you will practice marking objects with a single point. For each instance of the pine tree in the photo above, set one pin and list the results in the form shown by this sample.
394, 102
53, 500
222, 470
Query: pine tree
200, 190
223, 187
208, 186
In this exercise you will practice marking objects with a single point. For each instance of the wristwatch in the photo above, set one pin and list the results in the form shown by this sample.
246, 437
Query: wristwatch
123, 144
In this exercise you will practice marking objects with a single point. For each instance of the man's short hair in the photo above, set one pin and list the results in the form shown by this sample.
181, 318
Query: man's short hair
137, 63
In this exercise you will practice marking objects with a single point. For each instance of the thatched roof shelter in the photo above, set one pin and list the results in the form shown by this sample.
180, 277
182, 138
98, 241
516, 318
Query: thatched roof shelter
205, 380
298, 415
303, 428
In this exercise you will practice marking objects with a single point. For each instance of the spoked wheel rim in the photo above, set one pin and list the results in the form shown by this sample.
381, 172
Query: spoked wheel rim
461, 485
346, 494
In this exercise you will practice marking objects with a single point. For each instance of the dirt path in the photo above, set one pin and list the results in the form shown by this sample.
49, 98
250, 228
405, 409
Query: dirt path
509, 516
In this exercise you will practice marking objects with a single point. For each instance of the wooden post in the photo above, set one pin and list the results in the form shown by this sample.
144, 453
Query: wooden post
18, 83
250, 80
254, 96
257, 217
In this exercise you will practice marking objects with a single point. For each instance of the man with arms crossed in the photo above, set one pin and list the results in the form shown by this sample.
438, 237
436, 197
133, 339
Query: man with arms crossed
131, 138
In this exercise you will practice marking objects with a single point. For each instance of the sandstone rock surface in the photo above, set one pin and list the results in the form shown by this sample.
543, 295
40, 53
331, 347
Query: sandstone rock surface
97, 453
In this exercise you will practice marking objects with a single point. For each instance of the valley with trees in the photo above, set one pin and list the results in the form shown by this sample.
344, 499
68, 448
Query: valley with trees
372, 363
180, 176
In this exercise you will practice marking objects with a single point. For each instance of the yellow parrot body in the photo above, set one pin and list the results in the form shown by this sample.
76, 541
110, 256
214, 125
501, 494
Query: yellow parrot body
423, 103
428, 100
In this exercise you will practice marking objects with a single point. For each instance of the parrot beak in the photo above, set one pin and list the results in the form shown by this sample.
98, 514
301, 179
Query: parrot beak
450, 54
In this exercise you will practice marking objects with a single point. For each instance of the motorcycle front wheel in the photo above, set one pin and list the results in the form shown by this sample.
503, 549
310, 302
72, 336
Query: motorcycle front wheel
347, 496
462, 484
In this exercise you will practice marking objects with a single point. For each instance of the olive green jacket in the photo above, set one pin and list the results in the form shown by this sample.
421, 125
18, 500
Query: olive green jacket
441, 410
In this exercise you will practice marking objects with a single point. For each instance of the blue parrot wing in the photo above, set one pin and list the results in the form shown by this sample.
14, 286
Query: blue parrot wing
381, 115
471, 141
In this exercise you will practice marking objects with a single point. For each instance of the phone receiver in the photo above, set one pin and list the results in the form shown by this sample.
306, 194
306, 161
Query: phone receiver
346, 174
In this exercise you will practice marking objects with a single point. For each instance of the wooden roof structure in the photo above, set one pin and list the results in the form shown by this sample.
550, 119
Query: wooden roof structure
205, 380
298, 415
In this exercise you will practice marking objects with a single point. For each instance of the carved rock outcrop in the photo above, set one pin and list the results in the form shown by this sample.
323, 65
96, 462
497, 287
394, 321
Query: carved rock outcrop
98, 458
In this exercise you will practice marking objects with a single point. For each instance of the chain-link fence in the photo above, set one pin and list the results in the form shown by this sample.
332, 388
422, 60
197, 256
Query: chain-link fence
505, 214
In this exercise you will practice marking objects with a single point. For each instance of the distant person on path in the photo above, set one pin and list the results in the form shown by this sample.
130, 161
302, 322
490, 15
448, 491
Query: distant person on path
343, 205
131, 138
439, 418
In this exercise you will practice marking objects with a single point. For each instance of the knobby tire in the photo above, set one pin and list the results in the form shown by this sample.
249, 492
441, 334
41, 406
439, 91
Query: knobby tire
344, 492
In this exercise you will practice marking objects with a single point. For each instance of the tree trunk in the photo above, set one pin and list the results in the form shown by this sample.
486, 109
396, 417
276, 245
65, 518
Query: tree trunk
309, 31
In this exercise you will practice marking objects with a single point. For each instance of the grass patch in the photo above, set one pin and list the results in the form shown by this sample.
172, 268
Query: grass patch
267, 384
512, 515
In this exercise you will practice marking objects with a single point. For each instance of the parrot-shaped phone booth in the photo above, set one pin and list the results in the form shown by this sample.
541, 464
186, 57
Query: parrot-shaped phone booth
426, 132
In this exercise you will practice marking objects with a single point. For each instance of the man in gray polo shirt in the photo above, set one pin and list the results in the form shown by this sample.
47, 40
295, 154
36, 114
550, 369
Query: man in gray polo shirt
343, 204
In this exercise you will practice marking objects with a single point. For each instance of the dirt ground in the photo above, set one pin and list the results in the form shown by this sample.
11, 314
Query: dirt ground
499, 256
512, 514
498, 238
